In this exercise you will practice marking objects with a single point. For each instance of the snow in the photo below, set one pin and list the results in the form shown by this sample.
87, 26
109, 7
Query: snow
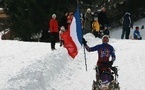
34, 66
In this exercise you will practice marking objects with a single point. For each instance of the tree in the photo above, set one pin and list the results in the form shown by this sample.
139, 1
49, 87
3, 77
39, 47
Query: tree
29, 17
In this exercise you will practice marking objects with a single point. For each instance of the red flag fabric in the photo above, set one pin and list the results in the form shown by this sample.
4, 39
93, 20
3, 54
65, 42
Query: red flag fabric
69, 44
73, 36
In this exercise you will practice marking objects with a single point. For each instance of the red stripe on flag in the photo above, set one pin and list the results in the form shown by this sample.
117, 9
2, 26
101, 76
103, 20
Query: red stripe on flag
69, 44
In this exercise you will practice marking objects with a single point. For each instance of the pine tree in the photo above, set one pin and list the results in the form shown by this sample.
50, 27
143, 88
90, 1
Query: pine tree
29, 17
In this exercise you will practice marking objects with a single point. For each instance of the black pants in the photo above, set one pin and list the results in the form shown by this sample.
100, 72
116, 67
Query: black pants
54, 38
126, 32
95, 33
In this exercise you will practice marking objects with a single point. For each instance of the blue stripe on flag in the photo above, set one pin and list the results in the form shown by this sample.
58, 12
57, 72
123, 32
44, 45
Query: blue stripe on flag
78, 25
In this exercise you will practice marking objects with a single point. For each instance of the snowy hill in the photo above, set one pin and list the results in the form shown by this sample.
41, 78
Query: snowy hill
33, 66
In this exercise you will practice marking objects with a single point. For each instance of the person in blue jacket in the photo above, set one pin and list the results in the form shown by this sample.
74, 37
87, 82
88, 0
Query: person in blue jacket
137, 34
105, 50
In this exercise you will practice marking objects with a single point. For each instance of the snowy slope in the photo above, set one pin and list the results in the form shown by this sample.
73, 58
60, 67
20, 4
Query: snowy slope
33, 66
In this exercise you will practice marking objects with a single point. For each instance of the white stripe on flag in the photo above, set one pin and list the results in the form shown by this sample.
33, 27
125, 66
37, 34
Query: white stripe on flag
73, 33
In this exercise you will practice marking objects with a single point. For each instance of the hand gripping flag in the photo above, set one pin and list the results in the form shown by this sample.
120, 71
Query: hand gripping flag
73, 36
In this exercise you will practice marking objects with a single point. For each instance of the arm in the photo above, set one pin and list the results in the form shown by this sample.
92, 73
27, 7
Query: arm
89, 49
93, 26
113, 54
50, 25
130, 22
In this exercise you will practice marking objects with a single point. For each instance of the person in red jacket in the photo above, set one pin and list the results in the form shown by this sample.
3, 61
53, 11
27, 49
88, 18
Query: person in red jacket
53, 24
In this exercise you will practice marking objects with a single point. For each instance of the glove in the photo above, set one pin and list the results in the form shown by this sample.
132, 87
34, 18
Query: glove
84, 42
110, 63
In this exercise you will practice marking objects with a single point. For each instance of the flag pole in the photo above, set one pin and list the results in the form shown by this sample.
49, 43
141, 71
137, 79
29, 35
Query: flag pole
83, 45
85, 57
82, 37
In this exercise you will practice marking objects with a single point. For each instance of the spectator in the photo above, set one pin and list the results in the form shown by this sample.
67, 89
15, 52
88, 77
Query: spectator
53, 24
62, 30
63, 20
88, 19
102, 18
127, 24
106, 31
96, 27
137, 34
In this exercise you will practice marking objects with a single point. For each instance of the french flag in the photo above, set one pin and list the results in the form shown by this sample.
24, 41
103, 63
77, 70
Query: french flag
73, 36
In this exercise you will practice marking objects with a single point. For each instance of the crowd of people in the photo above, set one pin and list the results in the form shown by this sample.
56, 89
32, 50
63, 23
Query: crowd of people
98, 25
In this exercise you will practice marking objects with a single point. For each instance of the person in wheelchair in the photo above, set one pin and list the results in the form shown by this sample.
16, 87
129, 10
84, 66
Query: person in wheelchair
105, 72
105, 50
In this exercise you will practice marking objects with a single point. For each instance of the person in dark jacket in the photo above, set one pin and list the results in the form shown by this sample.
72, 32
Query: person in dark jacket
53, 24
127, 24
63, 20
102, 18
137, 34
105, 50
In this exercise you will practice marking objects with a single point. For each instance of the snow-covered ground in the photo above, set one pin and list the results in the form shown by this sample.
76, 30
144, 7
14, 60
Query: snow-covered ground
33, 66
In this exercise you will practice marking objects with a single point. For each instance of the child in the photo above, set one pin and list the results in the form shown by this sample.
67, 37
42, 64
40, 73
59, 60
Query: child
96, 28
62, 30
106, 31
136, 34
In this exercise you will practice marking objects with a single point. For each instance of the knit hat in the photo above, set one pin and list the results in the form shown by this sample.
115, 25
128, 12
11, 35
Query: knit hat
53, 15
105, 39
88, 10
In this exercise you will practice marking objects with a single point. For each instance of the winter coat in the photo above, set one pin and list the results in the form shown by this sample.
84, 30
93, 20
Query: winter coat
53, 24
95, 26
103, 19
104, 52
127, 22
87, 22
136, 34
